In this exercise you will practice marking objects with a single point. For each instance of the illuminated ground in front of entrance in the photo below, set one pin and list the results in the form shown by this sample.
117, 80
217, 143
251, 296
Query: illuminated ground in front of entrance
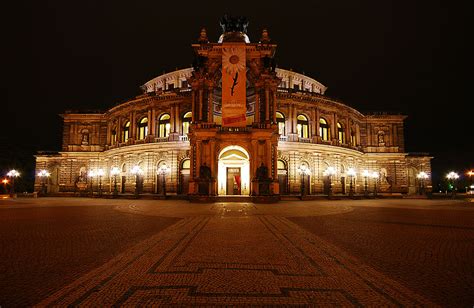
71, 251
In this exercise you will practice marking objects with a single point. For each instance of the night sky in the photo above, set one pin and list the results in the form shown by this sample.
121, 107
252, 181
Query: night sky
409, 57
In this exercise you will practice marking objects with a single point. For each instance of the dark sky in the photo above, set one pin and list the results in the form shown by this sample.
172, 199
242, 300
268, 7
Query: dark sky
409, 57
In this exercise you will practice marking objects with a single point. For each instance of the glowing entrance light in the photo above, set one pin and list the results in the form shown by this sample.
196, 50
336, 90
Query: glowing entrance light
232, 159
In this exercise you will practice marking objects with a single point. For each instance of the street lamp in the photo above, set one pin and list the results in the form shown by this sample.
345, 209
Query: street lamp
375, 176
304, 171
114, 172
163, 170
452, 177
470, 173
91, 175
137, 171
5, 182
366, 175
100, 174
329, 172
422, 176
351, 173
12, 174
43, 175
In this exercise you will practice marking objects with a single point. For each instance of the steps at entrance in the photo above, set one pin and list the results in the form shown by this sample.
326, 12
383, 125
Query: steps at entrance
233, 199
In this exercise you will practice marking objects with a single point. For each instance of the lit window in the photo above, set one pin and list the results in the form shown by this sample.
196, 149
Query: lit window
126, 132
164, 125
341, 136
281, 165
186, 122
302, 126
281, 123
142, 128
323, 129
186, 164
353, 138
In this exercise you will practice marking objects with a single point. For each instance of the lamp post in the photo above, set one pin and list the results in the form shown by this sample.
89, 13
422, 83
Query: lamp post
452, 177
100, 174
375, 176
304, 171
136, 170
470, 173
115, 172
5, 182
329, 172
12, 174
163, 170
351, 173
366, 175
91, 175
422, 176
43, 175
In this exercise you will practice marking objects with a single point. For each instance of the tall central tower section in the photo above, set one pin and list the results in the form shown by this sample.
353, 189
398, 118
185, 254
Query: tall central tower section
234, 134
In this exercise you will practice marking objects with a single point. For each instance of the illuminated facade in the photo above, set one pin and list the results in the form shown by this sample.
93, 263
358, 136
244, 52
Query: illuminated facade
233, 124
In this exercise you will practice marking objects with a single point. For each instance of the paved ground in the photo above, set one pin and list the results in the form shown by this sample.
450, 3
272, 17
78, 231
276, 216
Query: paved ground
128, 252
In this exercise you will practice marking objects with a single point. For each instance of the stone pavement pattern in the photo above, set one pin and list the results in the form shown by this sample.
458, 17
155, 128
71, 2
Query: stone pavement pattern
430, 250
232, 254
234, 258
44, 248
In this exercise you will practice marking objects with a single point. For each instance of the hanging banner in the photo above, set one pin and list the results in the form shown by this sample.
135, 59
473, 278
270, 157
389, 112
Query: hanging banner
234, 85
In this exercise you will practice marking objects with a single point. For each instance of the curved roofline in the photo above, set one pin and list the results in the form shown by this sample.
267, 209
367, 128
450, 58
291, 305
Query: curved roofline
171, 77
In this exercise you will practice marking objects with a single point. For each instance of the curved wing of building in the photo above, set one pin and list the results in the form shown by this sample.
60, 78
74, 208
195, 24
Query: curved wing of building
233, 124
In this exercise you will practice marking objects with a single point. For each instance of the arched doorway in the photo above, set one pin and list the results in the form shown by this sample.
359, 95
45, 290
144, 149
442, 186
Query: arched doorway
184, 176
282, 177
233, 171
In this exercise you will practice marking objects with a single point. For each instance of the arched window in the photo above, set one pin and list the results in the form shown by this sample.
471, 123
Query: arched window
126, 132
142, 128
341, 135
186, 164
302, 126
324, 129
281, 122
353, 138
186, 122
113, 137
164, 125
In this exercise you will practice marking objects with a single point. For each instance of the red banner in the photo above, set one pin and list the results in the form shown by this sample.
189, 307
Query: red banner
234, 90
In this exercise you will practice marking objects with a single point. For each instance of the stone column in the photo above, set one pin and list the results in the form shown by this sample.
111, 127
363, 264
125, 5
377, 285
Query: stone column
257, 105
317, 115
172, 119
274, 106
200, 105
119, 130
333, 127
193, 105
109, 133
153, 123
348, 132
267, 105
150, 121
210, 115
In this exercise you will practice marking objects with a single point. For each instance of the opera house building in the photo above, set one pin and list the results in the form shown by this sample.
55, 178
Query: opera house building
233, 124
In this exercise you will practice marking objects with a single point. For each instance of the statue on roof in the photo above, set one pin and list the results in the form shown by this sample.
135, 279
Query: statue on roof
234, 24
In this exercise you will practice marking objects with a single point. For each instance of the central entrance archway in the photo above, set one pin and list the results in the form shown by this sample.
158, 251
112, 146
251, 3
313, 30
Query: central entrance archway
233, 174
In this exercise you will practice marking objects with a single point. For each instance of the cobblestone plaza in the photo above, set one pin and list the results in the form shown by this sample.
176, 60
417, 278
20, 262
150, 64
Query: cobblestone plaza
79, 251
